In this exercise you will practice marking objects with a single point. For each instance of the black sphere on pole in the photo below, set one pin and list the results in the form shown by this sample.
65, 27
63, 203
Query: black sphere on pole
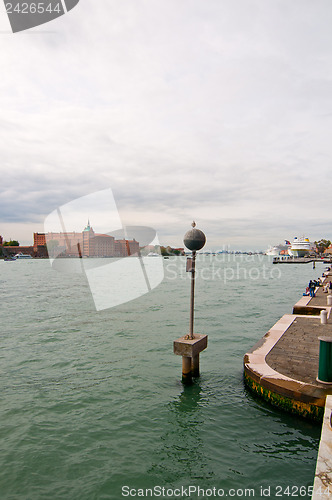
194, 239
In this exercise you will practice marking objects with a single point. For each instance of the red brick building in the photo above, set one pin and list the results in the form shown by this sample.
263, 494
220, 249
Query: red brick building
39, 239
133, 247
87, 244
72, 244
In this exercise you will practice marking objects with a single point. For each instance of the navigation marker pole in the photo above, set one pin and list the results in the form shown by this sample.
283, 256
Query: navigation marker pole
192, 344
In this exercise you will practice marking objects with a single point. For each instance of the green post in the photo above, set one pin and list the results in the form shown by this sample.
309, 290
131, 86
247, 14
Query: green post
325, 360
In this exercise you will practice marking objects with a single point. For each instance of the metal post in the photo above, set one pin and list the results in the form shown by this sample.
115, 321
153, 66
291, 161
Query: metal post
323, 316
192, 297
325, 360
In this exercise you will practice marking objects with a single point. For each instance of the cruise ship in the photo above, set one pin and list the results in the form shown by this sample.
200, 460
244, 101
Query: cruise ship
277, 249
301, 247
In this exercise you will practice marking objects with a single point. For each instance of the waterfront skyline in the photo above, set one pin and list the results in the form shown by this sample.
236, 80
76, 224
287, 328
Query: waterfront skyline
213, 111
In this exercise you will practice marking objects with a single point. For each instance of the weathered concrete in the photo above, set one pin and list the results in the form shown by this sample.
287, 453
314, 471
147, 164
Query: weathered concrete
186, 369
282, 367
185, 346
296, 353
323, 475
274, 368
189, 349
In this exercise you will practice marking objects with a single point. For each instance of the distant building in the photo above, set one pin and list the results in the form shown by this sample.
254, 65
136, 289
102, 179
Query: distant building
39, 245
126, 247
39, 239
97, 245
86, 244
37, 250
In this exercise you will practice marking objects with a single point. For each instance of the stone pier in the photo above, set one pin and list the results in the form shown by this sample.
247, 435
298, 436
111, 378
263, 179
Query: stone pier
283, 366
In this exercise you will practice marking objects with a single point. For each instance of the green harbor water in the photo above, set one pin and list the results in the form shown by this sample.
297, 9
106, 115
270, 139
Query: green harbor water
92, 401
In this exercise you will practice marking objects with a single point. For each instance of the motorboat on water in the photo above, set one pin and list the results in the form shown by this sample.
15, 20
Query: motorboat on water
22, 256
9, 258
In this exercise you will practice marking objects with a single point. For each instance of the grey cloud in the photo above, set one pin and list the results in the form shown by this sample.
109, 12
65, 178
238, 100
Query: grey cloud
218, 110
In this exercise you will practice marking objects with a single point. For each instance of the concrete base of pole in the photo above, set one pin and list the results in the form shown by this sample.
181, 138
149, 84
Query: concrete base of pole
186, 370
189, 349
184, 346
195, 366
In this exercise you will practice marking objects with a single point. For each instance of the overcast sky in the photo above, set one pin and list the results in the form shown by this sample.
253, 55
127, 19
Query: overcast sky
213, 110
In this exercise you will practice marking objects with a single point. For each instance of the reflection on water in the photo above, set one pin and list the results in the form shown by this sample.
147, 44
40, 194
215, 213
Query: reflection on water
181, 454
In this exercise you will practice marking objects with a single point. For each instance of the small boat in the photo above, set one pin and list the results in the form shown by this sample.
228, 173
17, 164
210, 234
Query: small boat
153, 254
22, 256
9, 258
